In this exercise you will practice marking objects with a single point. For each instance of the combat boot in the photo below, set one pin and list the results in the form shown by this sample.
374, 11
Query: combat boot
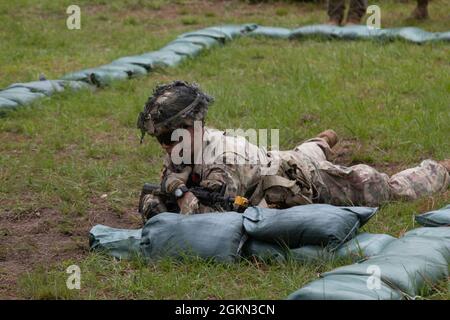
334, 22
353, 21
330, 136
446, 164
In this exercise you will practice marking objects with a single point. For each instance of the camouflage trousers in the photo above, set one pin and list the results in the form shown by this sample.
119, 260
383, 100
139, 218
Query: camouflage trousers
336, 10
363, 185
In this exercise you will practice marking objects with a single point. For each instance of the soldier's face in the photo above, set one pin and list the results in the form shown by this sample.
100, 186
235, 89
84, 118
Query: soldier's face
166, 140
168, 148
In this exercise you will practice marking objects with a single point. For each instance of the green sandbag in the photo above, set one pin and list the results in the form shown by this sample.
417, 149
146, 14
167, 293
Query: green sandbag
409, 263
429, 247
333, 32
165, 58
345, 287
264, 251
362, 246
7, 104
20, 95
321, 31
216, 236
308, 254
119, 243
271, 32
205, 42
103, 78
408, 274
103, 75
442, 36
315, 224
75, 85
208, 32
233, 31
439, 232
436, 218
412, 34
145, 62
131, 69
222, 33
183, 48
97, 76
47, 87
365, 245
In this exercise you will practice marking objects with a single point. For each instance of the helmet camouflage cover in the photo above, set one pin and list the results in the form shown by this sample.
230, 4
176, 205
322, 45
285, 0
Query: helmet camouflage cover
172, 106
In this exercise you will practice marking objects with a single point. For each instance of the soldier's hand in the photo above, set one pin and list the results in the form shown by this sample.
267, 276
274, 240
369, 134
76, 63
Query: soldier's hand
175, 180
188, 204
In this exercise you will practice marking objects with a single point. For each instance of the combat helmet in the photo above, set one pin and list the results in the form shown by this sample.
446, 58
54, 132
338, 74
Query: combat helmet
172, 106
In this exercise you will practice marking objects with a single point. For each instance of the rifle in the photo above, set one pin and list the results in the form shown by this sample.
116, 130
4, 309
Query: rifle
205, 196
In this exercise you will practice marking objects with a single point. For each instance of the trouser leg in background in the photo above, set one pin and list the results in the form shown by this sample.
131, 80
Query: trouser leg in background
364, 185
336, 10
427, 178
356, 11
421, 11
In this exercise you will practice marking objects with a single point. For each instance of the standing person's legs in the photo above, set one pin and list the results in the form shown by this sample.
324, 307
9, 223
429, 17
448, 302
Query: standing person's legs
421, 11
356, 11
336, 10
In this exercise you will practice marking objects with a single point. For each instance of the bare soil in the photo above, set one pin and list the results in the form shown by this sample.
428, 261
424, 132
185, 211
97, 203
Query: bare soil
46, 237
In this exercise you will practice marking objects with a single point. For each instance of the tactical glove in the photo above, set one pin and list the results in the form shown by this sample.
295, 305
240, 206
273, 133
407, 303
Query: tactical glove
176, 180
188, 204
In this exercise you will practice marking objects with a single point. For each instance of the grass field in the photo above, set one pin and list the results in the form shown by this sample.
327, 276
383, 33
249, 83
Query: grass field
72, 161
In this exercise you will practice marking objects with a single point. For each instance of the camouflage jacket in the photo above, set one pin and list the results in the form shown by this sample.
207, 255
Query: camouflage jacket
225, 159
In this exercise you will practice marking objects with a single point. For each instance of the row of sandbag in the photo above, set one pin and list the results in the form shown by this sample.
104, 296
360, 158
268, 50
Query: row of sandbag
19, 94
186, 45
192, 43
405, 268
303, 232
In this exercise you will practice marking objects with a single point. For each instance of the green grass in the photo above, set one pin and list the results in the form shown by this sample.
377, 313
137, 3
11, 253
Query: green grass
65, 152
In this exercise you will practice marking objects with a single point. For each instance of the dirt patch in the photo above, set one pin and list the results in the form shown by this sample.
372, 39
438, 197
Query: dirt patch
347, 153
45, 237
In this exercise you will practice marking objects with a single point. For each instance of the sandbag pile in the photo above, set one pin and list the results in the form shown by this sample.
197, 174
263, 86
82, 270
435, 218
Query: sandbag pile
230, 236
404, 269
19, 94
189, 45
388, 268
358, 32
436, 218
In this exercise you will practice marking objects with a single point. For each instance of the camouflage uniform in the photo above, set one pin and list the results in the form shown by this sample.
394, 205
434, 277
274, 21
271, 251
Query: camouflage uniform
336, 10
225, 160
364, 185
276, 178
304, 175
